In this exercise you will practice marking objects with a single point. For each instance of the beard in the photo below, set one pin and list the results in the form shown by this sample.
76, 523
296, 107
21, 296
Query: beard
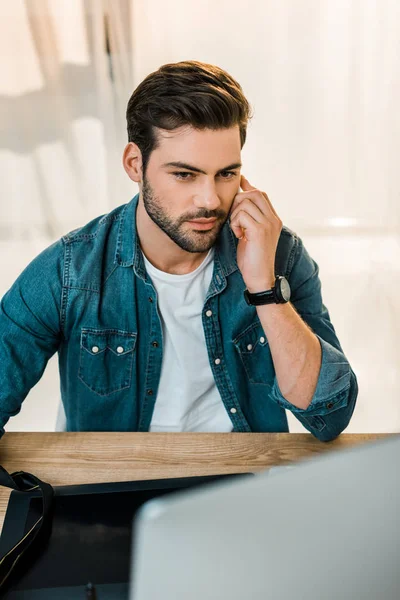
188, 240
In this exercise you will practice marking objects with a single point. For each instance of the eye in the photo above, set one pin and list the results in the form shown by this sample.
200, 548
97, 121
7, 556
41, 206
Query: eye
186, 176
230, 174
183, 175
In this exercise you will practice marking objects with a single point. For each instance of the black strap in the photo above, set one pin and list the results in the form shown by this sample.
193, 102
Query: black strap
21, 555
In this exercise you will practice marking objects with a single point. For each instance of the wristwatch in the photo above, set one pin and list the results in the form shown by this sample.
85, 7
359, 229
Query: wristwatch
279, 294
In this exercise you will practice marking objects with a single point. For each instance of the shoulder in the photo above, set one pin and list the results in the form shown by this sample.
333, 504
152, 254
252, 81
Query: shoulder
90, 250
96, 227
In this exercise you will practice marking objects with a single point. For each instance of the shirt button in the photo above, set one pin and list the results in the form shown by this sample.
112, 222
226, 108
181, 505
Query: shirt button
233, 410
209, 313
150, 299
262, 340
149, 392
95, 349
217, 361
155, 344
120, 349
329, 405
250, 347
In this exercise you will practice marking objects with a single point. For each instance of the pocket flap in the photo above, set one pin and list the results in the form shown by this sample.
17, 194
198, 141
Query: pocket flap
250, 338
119, 342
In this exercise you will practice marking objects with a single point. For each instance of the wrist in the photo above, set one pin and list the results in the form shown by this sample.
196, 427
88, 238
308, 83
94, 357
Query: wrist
262, 286
279, 293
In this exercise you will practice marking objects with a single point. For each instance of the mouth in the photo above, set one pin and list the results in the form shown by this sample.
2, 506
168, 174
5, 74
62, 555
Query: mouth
203, 224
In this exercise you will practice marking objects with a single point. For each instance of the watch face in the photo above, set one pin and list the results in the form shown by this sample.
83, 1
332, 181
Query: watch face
285, 289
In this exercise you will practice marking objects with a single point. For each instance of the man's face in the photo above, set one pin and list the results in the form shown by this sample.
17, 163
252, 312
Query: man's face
202, 187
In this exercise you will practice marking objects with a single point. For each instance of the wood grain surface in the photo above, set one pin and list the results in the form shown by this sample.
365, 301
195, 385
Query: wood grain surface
90, 457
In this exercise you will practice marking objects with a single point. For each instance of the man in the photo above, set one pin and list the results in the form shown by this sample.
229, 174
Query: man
172, 312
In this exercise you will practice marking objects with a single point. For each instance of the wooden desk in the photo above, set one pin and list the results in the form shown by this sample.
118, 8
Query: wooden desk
75, 458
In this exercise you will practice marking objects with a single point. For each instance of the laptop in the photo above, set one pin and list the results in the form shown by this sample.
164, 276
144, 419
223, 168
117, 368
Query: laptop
327, 529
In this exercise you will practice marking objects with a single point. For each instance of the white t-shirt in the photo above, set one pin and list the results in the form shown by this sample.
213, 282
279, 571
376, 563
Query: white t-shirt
188, 398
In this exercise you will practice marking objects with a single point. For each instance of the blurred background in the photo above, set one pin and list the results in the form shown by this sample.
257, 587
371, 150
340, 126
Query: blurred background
323, 79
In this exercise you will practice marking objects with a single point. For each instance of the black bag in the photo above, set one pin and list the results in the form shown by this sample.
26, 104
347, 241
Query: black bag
15, 561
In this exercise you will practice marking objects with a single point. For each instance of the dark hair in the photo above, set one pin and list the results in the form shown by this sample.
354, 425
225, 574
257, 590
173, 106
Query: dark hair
185, 93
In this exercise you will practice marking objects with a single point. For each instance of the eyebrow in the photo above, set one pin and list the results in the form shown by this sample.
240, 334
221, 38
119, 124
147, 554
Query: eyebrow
182, 165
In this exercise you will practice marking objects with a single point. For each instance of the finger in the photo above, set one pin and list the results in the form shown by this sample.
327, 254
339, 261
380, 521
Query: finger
245, 184
244, 224
247, 187
236, 201
270, 204
259, 200
252, 209
240, 196
251, 189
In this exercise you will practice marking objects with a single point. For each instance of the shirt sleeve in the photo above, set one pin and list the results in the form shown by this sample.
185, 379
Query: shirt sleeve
335, 396
30, 328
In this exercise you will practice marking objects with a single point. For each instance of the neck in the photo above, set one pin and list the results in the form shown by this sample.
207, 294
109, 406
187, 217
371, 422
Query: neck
160, 250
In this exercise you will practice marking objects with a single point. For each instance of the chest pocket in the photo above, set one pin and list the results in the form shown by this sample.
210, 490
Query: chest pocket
252, 346
106, 359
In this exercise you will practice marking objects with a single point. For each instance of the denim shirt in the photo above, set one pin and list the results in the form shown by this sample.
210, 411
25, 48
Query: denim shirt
88, 297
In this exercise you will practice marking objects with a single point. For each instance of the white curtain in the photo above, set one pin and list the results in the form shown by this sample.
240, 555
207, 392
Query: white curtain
324, 80
62, 104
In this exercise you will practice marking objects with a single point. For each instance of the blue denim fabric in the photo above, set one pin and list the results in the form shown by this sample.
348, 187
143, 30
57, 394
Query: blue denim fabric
90, 290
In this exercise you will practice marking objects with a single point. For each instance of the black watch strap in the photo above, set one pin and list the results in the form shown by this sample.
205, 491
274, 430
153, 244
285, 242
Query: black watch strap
276, 295
267, 297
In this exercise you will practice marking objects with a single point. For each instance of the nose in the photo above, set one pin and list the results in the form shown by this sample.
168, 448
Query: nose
207, 197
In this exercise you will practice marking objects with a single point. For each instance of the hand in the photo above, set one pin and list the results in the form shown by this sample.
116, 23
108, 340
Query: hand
255, 223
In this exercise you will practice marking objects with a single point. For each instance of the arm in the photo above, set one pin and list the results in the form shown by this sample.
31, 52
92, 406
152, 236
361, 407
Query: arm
313, 377
30, 328
325, 403
295, 350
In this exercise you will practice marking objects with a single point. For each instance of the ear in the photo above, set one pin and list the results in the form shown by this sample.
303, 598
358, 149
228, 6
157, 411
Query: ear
132, 161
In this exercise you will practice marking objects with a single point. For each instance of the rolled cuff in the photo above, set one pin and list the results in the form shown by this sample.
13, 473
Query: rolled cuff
333, 381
